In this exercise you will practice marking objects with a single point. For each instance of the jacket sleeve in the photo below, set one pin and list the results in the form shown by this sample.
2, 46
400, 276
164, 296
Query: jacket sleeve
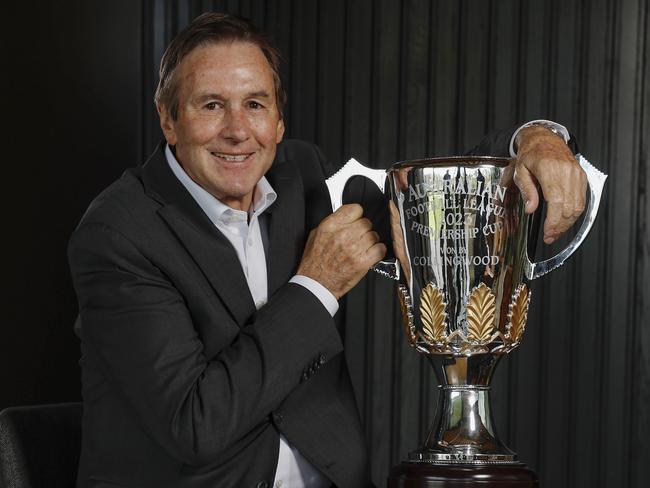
497, 143
137, 325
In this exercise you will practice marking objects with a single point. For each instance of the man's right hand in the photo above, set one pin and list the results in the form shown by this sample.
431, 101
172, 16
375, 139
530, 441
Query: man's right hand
341, 250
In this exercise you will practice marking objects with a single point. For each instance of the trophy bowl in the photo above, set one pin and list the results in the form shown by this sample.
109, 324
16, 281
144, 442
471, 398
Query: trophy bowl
463, 244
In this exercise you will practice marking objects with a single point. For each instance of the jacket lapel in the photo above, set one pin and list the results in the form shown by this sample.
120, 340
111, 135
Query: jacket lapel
286, 226
209, 248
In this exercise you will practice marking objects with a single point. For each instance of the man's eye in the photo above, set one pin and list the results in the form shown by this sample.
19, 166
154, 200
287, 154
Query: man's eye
211, 105
255, 105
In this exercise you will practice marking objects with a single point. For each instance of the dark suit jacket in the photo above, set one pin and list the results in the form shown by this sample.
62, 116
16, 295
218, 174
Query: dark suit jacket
185, 383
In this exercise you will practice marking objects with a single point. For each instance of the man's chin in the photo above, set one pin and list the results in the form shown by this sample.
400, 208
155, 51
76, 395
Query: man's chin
236, 198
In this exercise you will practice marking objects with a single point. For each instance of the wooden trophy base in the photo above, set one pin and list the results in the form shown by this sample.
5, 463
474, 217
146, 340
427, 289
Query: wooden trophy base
423, 475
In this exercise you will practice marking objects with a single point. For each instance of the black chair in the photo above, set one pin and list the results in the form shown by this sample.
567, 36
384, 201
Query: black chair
39, 446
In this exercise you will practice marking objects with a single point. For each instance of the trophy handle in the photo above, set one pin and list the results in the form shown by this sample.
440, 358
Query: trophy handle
335, 185
596, 180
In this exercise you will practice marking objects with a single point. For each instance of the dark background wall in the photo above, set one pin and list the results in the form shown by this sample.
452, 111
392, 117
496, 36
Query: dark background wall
382, 81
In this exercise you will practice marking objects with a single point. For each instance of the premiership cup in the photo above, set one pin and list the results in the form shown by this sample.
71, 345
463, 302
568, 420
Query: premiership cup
464, 248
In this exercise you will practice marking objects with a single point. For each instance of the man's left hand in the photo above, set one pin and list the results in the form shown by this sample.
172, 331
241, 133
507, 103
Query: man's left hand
544, 157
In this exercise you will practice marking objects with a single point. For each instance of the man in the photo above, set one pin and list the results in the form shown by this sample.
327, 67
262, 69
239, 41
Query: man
210, 356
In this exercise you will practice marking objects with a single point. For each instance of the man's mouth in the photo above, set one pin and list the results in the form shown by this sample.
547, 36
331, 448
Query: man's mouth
235, 158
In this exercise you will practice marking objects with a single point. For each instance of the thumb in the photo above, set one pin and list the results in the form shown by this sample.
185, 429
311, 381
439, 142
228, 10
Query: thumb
526, 183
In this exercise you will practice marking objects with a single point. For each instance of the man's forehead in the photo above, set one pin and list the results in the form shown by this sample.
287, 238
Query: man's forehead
234, 65
221, 53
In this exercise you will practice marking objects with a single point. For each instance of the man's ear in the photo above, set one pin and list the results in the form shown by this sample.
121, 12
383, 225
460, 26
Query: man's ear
279, 131
167, 124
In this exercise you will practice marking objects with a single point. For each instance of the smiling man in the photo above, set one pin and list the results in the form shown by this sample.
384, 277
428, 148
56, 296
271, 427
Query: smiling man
208, 280
209, 353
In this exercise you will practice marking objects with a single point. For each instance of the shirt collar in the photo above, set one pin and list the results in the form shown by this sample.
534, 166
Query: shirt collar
217, 211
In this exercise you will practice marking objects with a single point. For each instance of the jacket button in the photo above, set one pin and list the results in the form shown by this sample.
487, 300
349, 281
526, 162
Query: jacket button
262, 484
321, 358
278, 420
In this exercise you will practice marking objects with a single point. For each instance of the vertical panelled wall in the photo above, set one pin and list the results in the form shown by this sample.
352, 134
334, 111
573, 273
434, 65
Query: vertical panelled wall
387, 80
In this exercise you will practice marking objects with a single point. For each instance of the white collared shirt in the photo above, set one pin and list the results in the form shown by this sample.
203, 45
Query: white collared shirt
243, 231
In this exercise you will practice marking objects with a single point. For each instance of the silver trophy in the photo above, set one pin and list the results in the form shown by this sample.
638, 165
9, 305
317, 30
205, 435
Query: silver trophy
464, 246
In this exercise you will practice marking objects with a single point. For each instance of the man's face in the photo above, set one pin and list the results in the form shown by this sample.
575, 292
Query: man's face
228, 122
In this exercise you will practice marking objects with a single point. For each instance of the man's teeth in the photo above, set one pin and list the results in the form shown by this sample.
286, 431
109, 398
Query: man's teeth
232, 157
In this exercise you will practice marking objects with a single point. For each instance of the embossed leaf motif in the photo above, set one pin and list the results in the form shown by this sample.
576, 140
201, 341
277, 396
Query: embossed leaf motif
432, 313
518, 314
407, 317
480, 314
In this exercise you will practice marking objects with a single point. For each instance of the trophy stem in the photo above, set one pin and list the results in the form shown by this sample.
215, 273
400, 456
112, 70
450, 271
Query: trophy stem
463, 431
462, 448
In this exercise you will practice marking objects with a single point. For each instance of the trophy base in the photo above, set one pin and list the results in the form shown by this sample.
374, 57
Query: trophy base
425, 475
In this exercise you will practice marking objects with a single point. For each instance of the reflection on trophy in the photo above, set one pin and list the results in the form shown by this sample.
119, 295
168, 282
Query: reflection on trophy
464, 247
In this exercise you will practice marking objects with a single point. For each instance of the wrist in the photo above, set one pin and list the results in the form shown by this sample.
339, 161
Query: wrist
544, 125
535, 136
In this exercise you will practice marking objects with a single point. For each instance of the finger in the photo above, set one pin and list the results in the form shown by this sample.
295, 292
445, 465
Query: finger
375, 254
580, 195
347, 213
359, 227
566, 202
560, 217
395, 222
555, 222
368, 240
349, 234
526, 183
343, 215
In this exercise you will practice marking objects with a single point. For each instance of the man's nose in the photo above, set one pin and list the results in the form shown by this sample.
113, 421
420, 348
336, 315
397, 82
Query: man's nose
235, 125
